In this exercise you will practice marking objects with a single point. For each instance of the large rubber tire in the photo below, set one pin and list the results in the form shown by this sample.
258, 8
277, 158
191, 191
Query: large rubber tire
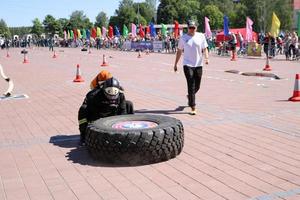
135, 145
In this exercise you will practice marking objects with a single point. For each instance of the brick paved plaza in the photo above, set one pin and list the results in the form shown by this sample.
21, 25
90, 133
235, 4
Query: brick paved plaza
244, 144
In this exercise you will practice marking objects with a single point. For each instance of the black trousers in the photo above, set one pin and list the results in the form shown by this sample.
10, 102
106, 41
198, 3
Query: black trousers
193, 77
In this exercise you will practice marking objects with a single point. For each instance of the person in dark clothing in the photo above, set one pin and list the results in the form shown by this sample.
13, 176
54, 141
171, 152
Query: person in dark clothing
106, 100
50, 44
269, 45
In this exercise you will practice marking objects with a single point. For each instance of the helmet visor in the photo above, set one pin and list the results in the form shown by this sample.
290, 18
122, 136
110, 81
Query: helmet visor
112, 92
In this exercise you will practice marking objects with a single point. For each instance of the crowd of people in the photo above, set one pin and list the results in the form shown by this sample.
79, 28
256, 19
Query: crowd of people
169, 42
285, 44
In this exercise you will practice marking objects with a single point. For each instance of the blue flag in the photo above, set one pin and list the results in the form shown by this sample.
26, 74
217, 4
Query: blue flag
117, 32
226, 27
88, 34
152, 30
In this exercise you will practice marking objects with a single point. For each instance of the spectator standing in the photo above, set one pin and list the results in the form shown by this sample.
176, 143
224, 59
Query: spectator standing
193, 45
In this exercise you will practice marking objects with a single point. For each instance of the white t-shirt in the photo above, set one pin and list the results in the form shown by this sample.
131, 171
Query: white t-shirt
192, 46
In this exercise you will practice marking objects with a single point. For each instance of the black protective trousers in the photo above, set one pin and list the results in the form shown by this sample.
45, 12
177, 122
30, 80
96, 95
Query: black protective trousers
193, 77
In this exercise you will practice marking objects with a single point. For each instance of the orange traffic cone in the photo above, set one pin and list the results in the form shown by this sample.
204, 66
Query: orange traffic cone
139, 55
267, 67
78, 77
296, 95
54, 55
104, 64
233, 58
25, 59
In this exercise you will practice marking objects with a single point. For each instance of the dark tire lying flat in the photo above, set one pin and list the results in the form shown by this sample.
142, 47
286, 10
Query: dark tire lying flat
135, 139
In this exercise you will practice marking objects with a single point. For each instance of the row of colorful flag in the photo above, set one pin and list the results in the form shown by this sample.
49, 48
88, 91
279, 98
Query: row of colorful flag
114, 31
274, 31
143, 30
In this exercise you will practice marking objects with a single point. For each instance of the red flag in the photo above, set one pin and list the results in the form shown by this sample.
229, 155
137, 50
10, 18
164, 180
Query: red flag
94, 33
148, 30
141, 32
176, 29
75, 33
110, 32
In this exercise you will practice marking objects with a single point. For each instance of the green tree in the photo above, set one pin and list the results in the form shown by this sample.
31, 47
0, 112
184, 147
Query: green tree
284, 12
4, 31
51, 25
64, 25
187, 9
260, 11
152, 8
37, 27
180, 10
237, 18
101, 20
78, 20
167, 11
144, 11
215, 17
20, 31
126, 13
114, 20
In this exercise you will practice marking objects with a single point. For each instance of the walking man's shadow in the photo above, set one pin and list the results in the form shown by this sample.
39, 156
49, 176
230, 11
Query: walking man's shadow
178, 110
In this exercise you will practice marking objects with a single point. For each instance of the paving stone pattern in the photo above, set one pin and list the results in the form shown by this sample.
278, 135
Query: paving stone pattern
244, 143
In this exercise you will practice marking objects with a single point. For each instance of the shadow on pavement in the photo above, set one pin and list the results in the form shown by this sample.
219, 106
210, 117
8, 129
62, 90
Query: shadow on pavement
65, 141
283, 100
178, 110
79, 154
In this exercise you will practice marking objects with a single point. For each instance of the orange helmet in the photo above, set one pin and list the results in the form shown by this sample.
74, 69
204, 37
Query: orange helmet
102, 76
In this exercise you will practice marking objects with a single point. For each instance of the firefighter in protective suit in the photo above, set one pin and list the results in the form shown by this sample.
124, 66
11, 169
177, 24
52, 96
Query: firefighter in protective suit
106, 100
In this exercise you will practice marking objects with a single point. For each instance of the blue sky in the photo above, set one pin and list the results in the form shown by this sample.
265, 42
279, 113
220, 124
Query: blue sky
22, 12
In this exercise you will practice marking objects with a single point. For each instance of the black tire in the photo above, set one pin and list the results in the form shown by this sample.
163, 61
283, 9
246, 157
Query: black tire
135, 145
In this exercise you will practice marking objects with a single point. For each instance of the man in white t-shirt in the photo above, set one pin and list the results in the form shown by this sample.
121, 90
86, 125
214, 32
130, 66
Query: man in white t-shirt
193, 45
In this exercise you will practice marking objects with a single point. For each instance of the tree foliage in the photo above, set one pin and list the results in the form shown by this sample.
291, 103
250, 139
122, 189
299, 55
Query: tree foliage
101, 20
20, 31
37, 27
4, 31
215, 17
126, 13
152, 8
260, 11
79, 20
51, 25
167, 12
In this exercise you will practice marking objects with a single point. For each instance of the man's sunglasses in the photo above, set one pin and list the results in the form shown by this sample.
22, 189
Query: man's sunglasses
192, 27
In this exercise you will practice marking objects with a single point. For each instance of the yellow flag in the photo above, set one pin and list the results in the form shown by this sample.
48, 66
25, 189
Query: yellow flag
79, 33
275, 26
98, 32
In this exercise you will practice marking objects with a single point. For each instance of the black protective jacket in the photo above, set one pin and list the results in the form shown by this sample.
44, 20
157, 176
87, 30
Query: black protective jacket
96, 105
